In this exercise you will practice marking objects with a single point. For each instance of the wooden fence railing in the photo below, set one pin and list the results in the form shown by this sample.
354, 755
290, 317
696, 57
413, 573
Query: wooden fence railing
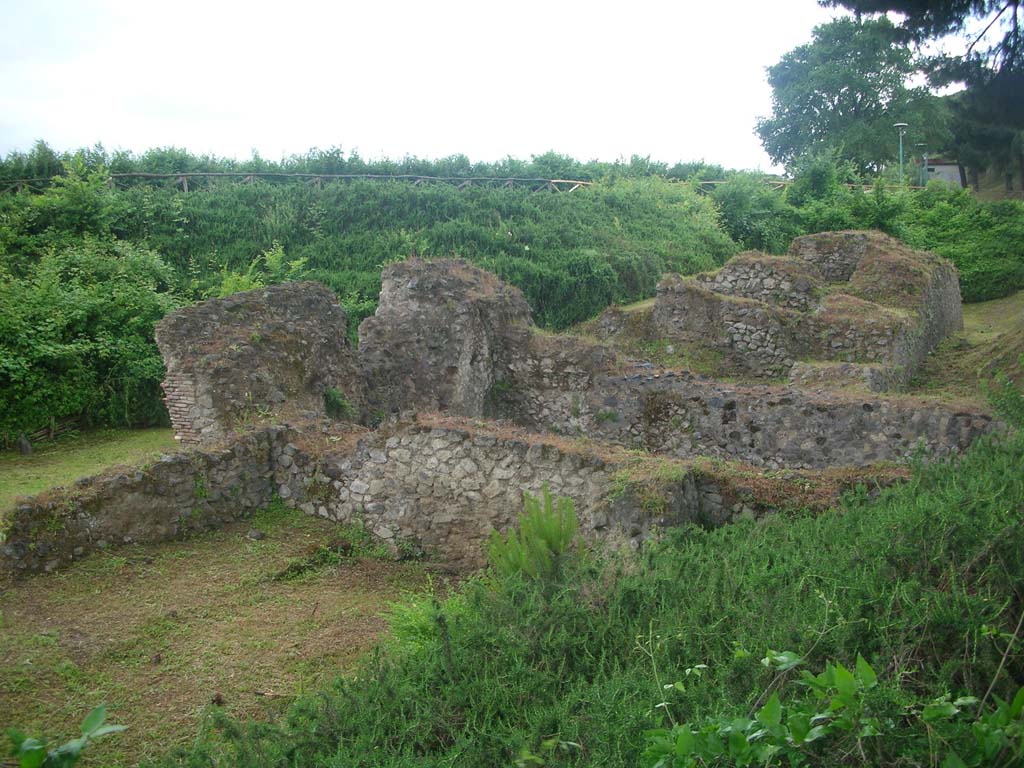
181, 180
54, 429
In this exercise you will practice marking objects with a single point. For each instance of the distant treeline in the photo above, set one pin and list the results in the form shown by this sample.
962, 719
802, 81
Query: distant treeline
87, 266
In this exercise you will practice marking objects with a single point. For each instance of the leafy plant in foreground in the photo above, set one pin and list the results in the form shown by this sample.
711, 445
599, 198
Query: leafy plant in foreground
546, 530
32, 753
838, 717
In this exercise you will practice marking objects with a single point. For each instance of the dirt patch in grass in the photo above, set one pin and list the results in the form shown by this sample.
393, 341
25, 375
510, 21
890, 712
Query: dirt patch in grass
63, 461
161, 632
992, 340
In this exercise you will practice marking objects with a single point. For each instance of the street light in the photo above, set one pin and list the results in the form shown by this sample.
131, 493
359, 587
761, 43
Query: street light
902, 128
924, 154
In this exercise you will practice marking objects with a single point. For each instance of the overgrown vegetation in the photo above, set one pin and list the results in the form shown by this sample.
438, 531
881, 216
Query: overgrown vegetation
922, 583
88, 266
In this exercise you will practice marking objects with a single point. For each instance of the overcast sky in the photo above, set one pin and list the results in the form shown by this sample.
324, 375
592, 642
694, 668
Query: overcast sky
675, 80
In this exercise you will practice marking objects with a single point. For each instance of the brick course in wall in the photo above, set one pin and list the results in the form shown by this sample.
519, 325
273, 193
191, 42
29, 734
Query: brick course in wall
253, 355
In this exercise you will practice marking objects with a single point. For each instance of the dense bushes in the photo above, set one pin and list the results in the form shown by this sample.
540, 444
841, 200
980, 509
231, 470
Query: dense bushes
572, 667
76, 336
571, 253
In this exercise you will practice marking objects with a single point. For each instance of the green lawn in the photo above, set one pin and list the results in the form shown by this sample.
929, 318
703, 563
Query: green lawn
65, 460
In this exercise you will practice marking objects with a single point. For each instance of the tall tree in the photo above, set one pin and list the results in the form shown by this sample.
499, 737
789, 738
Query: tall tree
843, 91
989, 115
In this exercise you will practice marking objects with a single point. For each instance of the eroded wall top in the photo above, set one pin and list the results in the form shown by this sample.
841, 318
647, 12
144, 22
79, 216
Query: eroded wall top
442, 333
253, 355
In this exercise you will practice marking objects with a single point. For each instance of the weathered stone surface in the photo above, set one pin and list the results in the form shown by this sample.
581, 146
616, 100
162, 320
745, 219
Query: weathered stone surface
247, 357
771, 279
892, 306
450, 337
178, 494
773, 427
393, 485
440, 333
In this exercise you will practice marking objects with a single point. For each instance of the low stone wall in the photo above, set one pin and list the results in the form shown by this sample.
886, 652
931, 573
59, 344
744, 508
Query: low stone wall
175, 495
684, 416
852, 330
829, 375
754, 335
443, 490
773, 280
767, 312
834, 254
254, 354
433, 488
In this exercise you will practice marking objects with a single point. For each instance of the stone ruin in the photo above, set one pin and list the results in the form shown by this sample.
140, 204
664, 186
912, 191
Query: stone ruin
475, 406
841, 309
254, 356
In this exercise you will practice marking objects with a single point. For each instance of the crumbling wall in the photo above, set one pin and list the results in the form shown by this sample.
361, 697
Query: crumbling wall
834, 254
888, 304
852, 330
754, 335
773, 427
442, 487
240, 359
440, 333
773, 280
433, 488
175, 495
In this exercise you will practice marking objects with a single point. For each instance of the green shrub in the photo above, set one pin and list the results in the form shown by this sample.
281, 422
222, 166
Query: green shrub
545, 534
76, 337
337, 405
755, 216
33, 753
984, 279
1007, 398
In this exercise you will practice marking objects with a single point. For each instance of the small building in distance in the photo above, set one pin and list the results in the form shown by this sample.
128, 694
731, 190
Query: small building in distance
945, 170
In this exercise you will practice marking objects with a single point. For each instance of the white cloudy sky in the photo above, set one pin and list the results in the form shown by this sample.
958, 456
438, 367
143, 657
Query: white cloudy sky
676, 80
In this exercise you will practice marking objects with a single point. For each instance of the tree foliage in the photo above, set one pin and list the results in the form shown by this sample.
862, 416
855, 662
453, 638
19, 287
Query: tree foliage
76, 336
988, 120
843, 91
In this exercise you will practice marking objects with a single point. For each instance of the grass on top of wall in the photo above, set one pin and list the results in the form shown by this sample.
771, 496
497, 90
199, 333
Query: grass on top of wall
62, 461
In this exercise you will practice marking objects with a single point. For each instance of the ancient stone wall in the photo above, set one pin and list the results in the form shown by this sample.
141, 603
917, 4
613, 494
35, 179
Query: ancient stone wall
175, 495
253, 355
685, 416
433, 488
754, 334
441, 486
892, 306
852, 330
773, 280
440, 333
834, 254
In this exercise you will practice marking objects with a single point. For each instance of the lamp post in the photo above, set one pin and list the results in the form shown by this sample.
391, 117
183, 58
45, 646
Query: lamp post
902, 128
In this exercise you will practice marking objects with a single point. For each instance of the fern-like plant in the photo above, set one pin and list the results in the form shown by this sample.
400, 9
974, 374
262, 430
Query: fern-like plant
545, 534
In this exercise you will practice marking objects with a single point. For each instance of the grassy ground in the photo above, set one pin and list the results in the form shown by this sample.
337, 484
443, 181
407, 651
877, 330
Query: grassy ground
67, 459
161, 632
992, 340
